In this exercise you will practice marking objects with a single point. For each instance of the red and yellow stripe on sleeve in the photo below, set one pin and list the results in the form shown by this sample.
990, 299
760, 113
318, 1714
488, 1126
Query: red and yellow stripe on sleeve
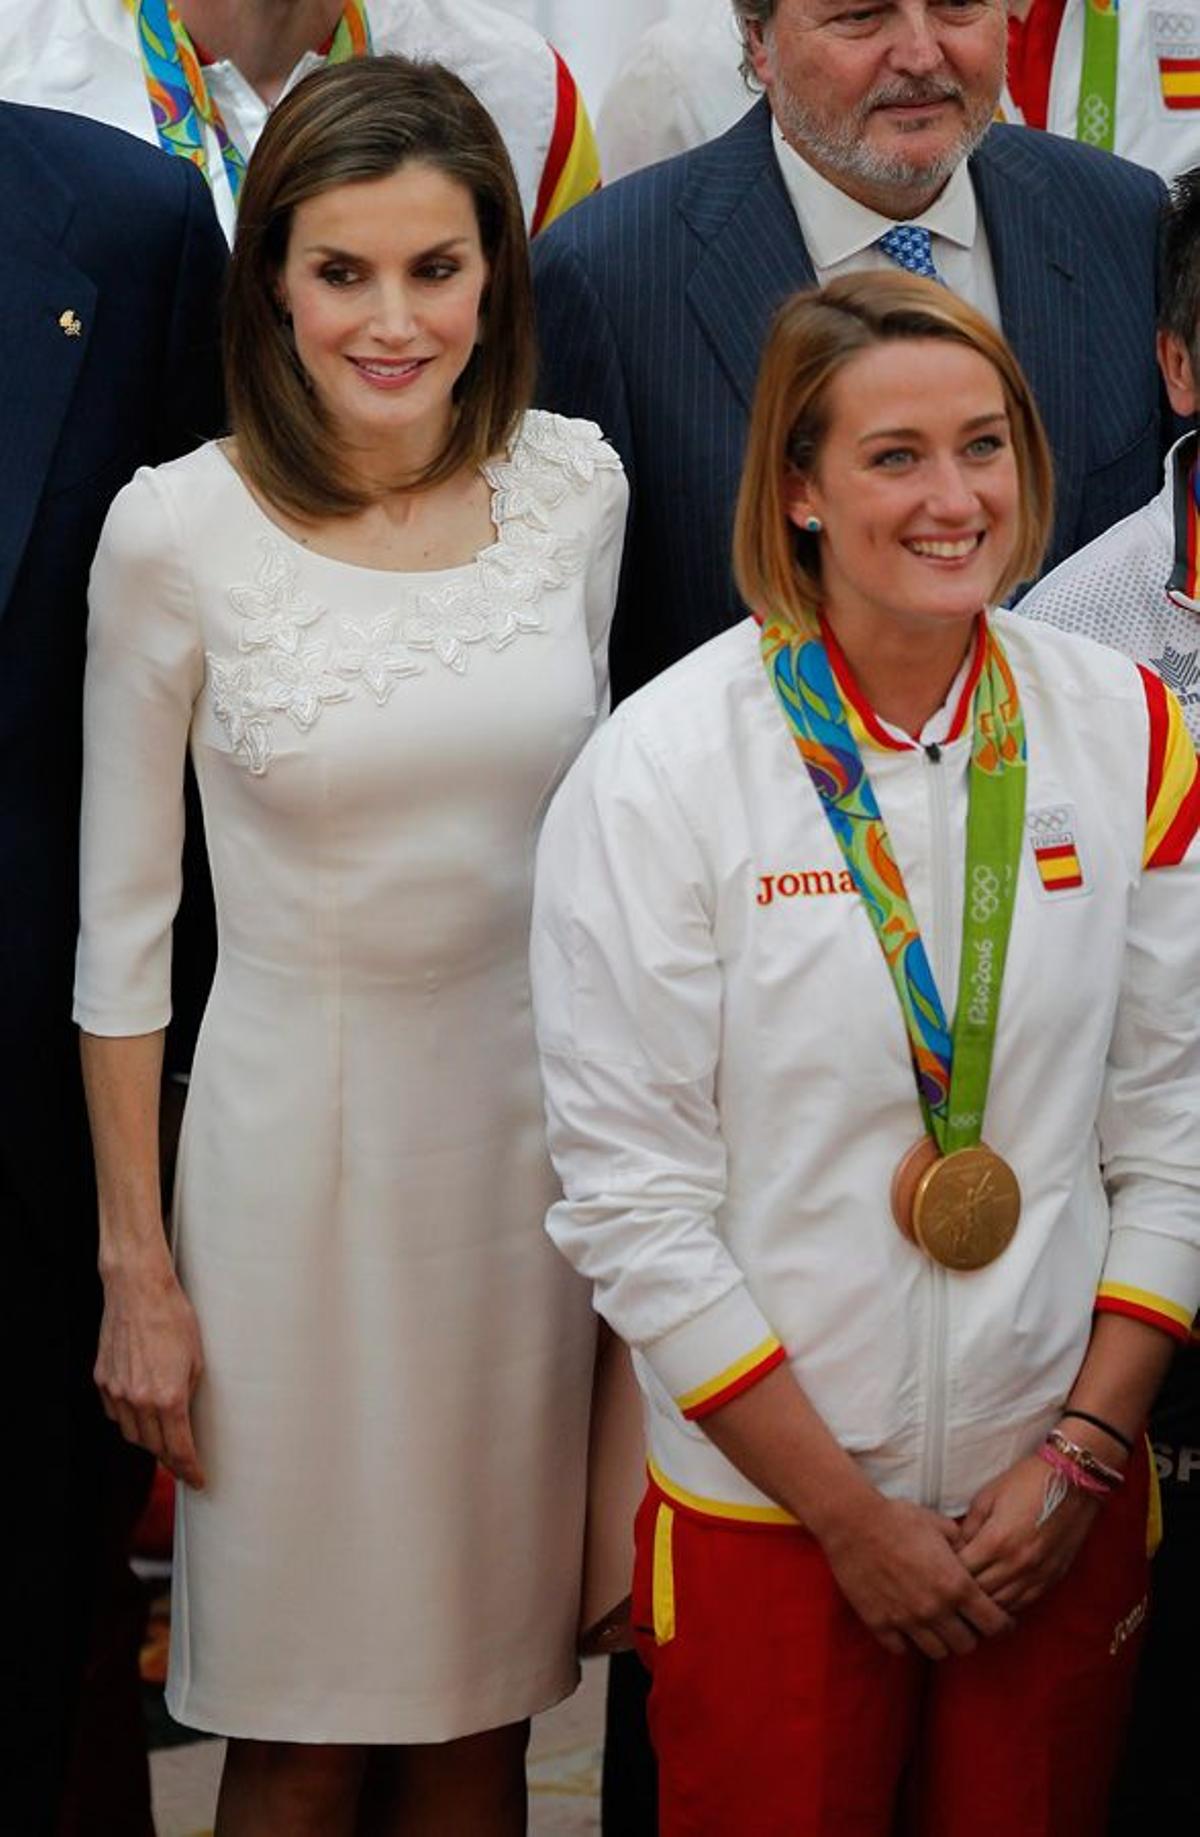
1172, 778
1140, 1304
730, 1383
572, 169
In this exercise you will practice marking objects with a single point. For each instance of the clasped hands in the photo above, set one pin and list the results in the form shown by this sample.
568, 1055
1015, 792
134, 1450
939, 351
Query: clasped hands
917, 1578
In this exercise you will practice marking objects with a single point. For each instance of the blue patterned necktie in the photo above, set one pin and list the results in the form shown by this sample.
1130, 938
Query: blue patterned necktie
911, 247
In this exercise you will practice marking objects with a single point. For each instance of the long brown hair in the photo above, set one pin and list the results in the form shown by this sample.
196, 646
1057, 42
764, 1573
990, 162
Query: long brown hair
344, 124
813, 337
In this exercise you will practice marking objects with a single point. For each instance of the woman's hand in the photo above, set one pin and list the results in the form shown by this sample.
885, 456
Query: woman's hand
898, 1566
1013, 1545
149, 1363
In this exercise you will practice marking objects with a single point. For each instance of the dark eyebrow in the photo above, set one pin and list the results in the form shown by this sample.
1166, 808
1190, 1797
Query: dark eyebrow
913, 433
345, 255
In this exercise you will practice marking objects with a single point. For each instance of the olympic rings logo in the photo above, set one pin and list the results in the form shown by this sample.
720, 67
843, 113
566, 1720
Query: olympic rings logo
985, 894
1095, 121
1172, 25
1049, 822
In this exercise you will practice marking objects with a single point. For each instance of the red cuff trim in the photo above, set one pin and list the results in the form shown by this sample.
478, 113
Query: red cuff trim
1113, 1304
741, 1377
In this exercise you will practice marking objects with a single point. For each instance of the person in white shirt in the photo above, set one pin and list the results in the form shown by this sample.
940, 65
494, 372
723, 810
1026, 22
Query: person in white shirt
1124, 78
1137, 588
896, 1325
199, 76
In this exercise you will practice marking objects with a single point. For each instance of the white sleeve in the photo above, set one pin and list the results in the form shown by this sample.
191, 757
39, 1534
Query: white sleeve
604, 571
145, 668
1150, 1109
627, 997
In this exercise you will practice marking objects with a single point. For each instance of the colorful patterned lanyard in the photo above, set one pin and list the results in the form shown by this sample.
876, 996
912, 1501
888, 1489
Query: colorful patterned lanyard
1096, 120
179, 95
952, 1069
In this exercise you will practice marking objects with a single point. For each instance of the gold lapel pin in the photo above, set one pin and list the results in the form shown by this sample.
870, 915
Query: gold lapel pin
71, 323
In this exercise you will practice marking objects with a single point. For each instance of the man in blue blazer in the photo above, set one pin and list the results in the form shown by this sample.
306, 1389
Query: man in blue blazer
654, 297
112, 267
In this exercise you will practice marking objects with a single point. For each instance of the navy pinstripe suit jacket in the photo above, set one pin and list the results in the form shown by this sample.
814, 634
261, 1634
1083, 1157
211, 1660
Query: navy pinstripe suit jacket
654, 298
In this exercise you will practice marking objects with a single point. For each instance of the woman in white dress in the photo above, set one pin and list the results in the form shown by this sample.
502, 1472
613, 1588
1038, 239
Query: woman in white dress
377, 619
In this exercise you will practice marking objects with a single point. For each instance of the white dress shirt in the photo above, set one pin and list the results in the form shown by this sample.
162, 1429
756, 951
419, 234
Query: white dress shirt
840, 233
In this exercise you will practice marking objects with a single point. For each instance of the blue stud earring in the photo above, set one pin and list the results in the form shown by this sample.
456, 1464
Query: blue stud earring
813, 525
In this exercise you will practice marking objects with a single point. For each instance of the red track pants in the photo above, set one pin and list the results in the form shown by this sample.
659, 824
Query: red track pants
774, 1713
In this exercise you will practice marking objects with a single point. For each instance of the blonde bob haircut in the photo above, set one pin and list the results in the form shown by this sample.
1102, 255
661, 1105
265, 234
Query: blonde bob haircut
812, 339
345, 125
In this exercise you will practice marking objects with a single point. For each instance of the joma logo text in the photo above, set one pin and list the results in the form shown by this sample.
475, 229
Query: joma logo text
810, 885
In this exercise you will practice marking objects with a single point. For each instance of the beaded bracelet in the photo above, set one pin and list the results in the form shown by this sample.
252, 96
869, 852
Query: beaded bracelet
1110, 1478
1072, 1474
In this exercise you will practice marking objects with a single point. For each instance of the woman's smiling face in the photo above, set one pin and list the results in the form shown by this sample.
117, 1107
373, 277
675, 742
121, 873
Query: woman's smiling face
915, 485
384, 280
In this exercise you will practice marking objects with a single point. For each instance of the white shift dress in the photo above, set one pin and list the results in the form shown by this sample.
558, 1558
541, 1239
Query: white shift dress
393, 1415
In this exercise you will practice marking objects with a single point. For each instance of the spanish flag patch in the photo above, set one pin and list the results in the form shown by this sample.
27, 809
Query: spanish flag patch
1179, 79
1059, 867
1054, 845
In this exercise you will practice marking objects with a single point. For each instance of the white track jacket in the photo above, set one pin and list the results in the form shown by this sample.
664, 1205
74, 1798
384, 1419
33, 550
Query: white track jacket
729, 1086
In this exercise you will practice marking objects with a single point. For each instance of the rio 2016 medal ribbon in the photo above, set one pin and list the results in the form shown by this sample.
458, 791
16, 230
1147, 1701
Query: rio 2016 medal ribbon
179, 94
951, 1194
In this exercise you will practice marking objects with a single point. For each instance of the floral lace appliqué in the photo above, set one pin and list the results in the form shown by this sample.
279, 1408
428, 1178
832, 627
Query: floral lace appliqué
283, 668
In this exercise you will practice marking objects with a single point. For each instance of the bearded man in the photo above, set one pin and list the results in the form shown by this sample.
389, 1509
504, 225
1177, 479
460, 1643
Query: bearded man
874, 143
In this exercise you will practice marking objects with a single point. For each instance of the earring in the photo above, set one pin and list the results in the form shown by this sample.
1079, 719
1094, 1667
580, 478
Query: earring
813, 525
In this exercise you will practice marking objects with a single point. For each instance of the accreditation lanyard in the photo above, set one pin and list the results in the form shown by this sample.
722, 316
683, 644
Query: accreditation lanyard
179, 94
1096, 119
952, 1067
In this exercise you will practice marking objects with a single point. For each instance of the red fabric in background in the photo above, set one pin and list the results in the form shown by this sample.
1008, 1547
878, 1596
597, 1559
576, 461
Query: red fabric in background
1031, 44
154, 1532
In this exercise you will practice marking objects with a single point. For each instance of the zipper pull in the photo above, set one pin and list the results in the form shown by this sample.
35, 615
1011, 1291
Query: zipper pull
933, 753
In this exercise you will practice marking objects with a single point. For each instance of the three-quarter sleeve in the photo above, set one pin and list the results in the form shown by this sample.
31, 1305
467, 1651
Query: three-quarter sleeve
627, 997
145, 668
1151, 1101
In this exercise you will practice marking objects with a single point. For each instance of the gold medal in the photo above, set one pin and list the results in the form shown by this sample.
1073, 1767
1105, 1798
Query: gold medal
965, 1207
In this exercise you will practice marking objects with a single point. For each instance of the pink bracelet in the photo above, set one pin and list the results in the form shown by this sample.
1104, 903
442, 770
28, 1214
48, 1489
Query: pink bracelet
1072, 1472
1112, 1477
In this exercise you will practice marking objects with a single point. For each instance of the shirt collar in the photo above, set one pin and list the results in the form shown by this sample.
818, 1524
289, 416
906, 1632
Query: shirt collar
946, 725
836, 227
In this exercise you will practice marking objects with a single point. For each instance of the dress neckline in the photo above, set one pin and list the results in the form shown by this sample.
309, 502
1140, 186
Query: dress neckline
281, 534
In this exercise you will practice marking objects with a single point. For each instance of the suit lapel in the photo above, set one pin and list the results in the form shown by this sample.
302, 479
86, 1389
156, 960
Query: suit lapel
753, 256
1038, 263
40, 361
